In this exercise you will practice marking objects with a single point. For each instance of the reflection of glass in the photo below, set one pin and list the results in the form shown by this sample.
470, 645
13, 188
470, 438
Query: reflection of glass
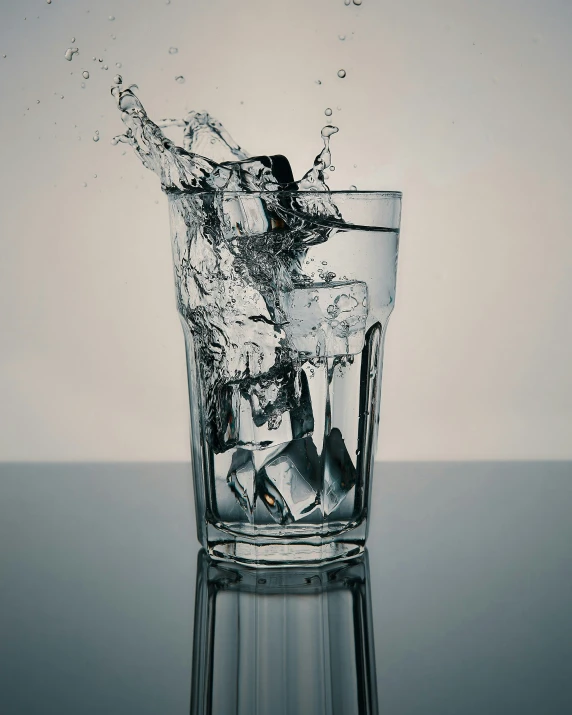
290, 641
284, 298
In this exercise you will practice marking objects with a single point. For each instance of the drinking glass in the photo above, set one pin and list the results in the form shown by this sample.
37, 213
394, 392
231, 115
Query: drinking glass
284, 298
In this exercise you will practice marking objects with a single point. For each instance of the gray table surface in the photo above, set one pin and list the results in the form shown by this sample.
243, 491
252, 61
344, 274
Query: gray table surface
470, 577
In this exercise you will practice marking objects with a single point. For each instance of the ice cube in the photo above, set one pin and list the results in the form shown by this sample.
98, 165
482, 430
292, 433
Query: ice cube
327, 320
288, 485
264, 412
340, 474
241, 479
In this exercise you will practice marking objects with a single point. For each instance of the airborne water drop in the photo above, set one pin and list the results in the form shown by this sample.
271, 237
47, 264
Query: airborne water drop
341, 74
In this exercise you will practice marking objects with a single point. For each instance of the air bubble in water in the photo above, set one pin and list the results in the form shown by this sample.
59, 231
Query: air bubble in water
318, 81
73, 39
96, 136
118, 65
341, 74
113, 37
112, 17
173, 50
341, 37
328, 112
105, 67
85, 74
118, 79
347, 2
84, 183
353, 187
180, 79
332, 167
95, 176
49, 2
70, 52
83, 85
357, 2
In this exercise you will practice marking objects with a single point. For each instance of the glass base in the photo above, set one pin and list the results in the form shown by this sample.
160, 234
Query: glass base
265, 551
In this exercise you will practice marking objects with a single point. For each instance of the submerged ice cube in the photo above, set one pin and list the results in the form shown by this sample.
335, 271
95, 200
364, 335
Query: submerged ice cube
327, 320
340, 474
265, 412
288, 485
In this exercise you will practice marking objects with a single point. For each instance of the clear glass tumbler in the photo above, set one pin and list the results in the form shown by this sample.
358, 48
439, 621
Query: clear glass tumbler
284, 299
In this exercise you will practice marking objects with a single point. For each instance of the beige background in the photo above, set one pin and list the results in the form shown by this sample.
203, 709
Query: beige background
464, 106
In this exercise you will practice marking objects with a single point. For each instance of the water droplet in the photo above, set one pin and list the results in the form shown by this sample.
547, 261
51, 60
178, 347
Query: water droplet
118, 65
61, 96
96, 137
95, 176
341, 37
113, 37
94, 59
49, 2
4, 56
100, 60
173, 50
37, 101
341, 74
70, 52
357, 2
353, 187
73, 39
355, 166
318, 81
83, 85
347, 2
180, 79
85, 74
84, 184
328, 112
112, 17
105, 67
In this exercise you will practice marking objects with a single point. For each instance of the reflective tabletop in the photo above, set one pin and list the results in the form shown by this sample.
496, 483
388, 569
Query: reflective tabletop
462, 603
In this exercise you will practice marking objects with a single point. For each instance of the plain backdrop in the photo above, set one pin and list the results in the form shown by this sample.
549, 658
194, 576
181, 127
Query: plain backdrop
465, 106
